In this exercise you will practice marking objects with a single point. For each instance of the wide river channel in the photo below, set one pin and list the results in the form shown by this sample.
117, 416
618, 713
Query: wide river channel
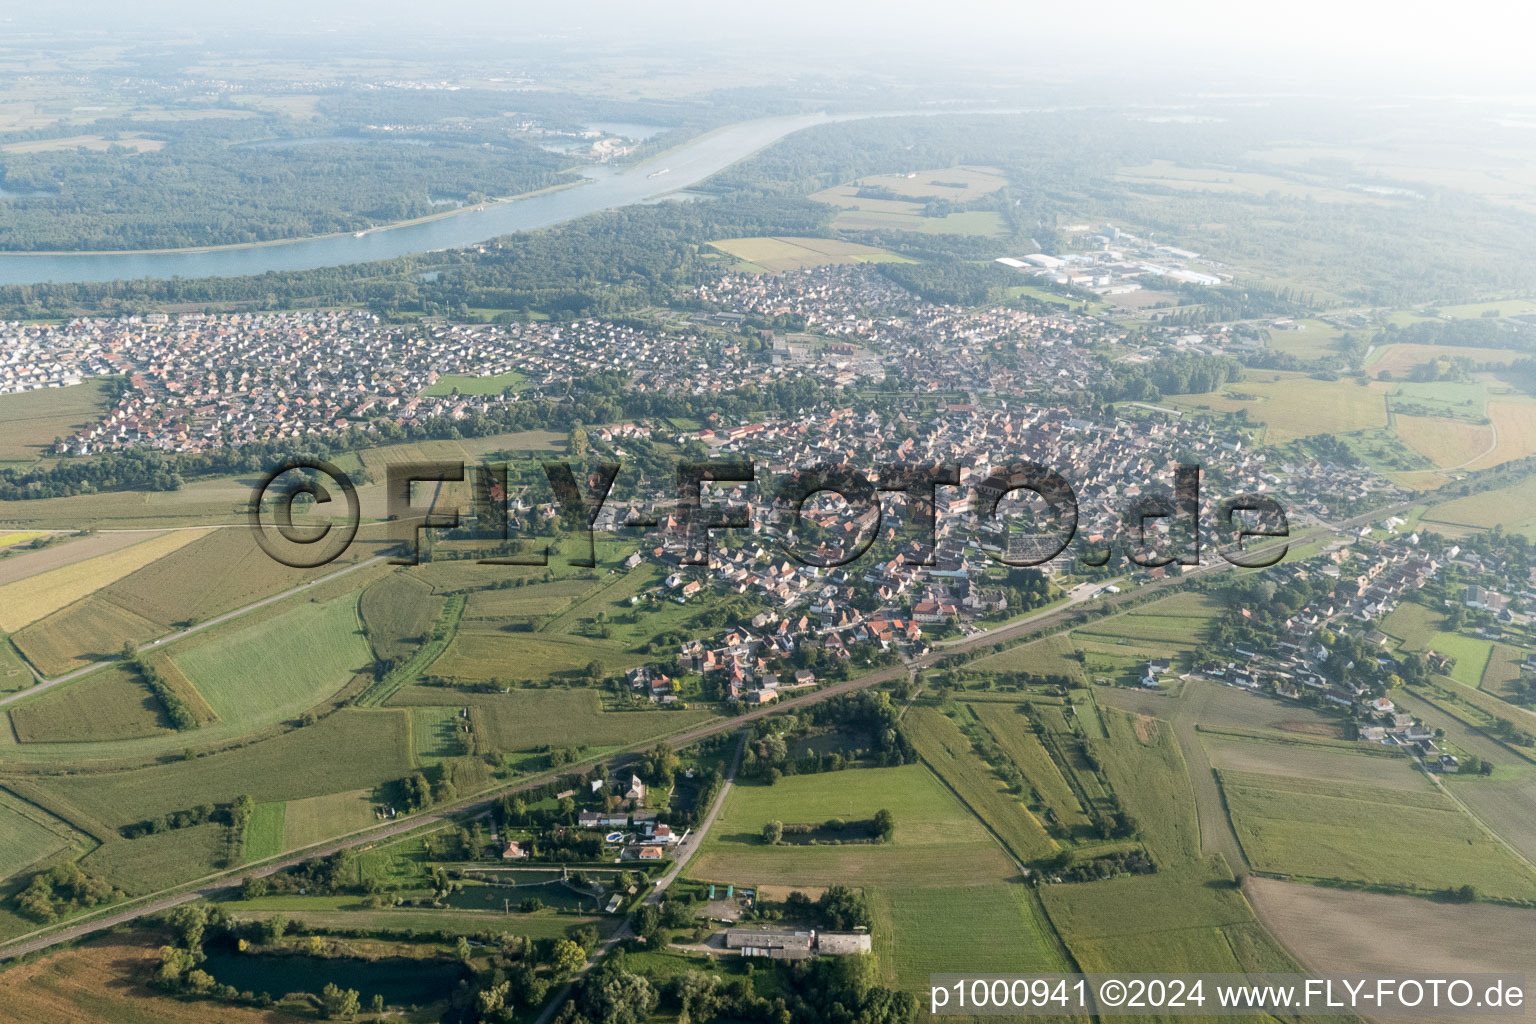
605, 189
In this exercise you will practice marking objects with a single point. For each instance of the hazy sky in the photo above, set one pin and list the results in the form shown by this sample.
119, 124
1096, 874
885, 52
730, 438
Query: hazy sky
1481, 43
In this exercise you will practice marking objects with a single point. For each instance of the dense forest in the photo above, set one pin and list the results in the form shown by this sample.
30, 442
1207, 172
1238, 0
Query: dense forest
210, 186
1061, 168
599, 265
1178, 374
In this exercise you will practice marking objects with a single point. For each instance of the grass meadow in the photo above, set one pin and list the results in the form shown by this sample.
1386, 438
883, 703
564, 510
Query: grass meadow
398, 612
1012, 733
948, 751
264, 832
281, 666
31, 420
938, 843
525, 719
1293, 405
111, 704
28, 835
927, 930
348, 750
312, 819
1390, 769
779, 254
1375, 836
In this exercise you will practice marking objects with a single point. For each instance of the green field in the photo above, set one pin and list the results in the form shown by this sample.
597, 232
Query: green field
349, 750
921, 931
528, 656
527, 719
110, 704
1147, 771
1503, 669
1360, 834
1505, 803
1317, 761
1012, 733
948, 751
1052, 655
1293, 405
1464, 399
1420, 628
494, 384
937, 842
438, 732
778, 254
28, 835
280, 667
540, 601
398, 612
152, 863
264, 832
1471, 653
31, 420
1510, 506
1189, 919
315, 818
14, 674
1412, 623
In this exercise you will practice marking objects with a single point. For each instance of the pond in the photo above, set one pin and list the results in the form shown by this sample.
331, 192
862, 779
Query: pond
401, 981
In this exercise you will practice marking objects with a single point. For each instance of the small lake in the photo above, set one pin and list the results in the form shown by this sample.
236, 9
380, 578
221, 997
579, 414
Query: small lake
400, 981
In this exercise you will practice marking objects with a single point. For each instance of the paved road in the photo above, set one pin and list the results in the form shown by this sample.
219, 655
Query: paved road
43, 684
685, 852
232, 879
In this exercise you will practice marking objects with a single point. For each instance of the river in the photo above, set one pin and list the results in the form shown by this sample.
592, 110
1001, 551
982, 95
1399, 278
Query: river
605, 188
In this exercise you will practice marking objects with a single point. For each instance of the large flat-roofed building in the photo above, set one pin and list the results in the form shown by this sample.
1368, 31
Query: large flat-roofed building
778, 945
842, 943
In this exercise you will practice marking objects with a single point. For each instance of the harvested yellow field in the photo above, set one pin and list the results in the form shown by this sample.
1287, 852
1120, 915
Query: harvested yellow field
1445, 442
26, 601
1399, 359
1293, 405
776, 254
1515, 422
81, 634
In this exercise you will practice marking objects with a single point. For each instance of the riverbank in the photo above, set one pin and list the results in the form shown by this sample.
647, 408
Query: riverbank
391, 226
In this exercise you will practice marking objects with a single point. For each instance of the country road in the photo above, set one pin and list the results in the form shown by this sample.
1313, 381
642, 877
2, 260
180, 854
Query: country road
213, 884
43, 684
685, 852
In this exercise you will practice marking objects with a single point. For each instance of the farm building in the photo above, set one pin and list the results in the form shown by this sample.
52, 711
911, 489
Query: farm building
778, 945
843, 943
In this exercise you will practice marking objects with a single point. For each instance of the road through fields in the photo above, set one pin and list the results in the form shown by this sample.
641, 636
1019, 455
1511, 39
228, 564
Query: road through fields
214, 884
